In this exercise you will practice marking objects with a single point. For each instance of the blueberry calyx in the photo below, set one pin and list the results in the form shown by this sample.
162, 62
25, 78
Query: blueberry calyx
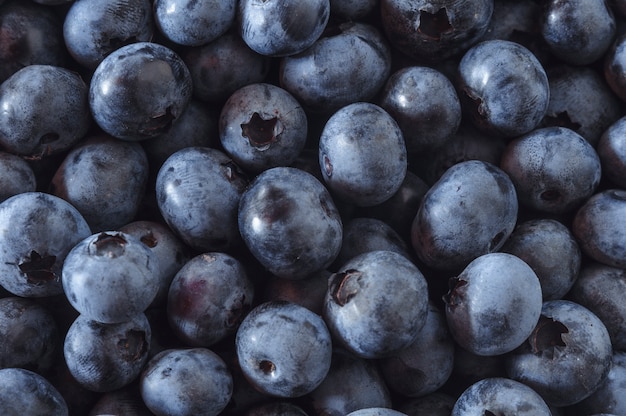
149, 240
108, 245
344, 286
267, 367
133, 346
547, 336
434, 25
328, 166
550, 195
38, 268
158, 124
261, 132
456, 294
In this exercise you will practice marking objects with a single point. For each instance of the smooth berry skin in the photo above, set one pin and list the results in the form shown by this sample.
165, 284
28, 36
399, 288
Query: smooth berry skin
566, 358
362, 154
425, 104
281, 27
110, 277
376, 411
284, 350
198, 190
30, 336
45, 110
581, 100
221, 67
22, 21
608, 398
290, 223
139, 90
598, 288
599, 231
93, 29
193, 23
376, 304
352, 383
107, 357
611, 150
37, 231
262, 126
105, 179
550, 249
500, 395
171, 253
16, 176
504, 88
494, 304
24, 392
424, 366
578, 32
449, 230
186, 382
208, 298
315, 80
554, 169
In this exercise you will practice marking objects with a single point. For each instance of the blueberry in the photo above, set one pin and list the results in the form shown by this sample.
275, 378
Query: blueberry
493, 396
282, 27
198, 191
362, 154
284, 350
470, 211
598, 230
16, 176
352, 383
599, 288
105, 179
93, 29
30, 336
110, 277
566, 357
578, 32
139, 90
353, 9
376, 304
44, 110
434, 30
554, 169
615, 67
315, 80
37, 231
208, 298
262, 126
107, 357
551, 250
376, 411
276, 408
192, 22
494, 304
21, 21
433, 404
221, 67
124, 401
425, 104
424, 366
289, 222
186, 382
504, 88
23, 392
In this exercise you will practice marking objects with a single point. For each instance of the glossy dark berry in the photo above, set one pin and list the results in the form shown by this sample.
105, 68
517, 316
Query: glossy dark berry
362, 154
289, 222
611, 149
37, 232
110, 277
139, 90
376, 304
283, 349
16, 176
